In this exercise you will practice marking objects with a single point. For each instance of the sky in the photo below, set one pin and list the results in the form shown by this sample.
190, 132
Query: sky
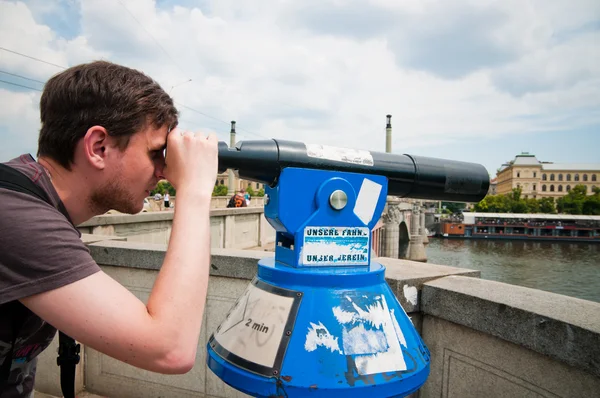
472, 80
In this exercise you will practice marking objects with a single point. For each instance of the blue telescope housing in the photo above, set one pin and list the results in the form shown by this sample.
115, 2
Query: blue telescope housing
319, 319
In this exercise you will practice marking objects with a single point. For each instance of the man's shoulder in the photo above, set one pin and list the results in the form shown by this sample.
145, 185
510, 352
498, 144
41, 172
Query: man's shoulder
27, 165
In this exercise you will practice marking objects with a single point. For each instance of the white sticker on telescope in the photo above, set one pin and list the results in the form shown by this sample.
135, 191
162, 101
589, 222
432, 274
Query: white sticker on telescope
355, 156
367, 199
335, 246
255, 325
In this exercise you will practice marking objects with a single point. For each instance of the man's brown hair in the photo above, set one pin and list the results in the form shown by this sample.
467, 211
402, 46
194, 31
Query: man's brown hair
120, 99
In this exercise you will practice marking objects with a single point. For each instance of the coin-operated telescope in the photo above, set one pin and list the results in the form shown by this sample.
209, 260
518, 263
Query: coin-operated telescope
319, 319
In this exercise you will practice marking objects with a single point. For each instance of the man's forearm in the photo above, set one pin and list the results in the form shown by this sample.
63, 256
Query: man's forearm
178, 297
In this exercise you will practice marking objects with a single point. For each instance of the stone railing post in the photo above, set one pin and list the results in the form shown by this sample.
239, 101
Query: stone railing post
228, 233
416, 248
422, 229
391, 229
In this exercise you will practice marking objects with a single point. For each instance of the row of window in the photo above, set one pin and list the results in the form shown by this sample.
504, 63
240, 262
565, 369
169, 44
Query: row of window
568, 177
519, 174
560, 188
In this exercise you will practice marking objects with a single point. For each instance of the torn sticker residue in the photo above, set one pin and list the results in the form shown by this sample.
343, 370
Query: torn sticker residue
345, 155
358, 340
411, 294
318, 335
398, 330
371, 331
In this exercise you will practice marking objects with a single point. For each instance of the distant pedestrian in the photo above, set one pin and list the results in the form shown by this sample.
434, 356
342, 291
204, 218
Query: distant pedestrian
167, 200
237, 200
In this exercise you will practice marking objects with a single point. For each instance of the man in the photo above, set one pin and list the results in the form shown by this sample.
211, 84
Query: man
237, 200
167, 200
104, 131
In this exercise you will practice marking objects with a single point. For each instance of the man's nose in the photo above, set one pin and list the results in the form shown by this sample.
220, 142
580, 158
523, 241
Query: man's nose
159, 168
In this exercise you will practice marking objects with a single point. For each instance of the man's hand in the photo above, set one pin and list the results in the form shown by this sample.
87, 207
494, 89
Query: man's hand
192, 160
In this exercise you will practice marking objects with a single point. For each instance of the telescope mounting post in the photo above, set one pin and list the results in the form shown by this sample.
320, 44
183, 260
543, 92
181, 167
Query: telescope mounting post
319, 318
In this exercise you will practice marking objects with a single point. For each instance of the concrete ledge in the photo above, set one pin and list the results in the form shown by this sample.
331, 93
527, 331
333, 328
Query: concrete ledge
561, 327
113, 219
236, 211
241, 264
128, 254
93, 238
229, 263
406, 278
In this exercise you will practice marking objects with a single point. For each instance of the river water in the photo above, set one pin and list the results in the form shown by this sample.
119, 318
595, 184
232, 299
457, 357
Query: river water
572, 269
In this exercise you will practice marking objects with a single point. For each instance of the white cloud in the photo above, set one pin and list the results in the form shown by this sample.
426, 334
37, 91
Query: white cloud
19, 123
282, 70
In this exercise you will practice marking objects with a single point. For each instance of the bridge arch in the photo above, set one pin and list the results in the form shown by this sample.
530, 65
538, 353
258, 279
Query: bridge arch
403, 239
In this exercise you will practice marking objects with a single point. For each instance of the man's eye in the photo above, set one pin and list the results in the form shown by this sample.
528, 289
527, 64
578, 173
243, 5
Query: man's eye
159, 154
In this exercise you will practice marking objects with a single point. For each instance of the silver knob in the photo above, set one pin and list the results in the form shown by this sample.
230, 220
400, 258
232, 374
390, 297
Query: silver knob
338, 199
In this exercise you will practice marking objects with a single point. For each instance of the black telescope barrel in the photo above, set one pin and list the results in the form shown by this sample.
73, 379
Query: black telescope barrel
408, 176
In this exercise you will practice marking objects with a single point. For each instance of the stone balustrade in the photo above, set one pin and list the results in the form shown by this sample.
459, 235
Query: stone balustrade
487, 339
240, 228
216, 202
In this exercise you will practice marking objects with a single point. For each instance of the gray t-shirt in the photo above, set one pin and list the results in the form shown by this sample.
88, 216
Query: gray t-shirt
40, 250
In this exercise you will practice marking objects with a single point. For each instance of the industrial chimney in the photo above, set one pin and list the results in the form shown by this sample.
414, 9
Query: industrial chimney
231, 176
388, 134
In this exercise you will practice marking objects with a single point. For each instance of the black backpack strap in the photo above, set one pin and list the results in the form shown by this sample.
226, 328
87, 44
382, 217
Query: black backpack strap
16, 181
68, 358
17, 318
68, 350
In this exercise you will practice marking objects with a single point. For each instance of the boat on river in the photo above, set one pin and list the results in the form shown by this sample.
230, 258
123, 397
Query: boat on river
539, 227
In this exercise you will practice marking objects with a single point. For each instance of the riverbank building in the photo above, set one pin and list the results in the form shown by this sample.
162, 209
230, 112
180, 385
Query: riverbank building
545, 179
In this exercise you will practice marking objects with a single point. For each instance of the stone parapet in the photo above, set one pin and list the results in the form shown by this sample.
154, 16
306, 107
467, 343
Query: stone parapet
486, 338
237, 228
561, 327
112, 219
406, 278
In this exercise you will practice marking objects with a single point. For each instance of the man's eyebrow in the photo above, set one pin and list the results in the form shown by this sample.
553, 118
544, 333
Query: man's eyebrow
172, 127
158, 147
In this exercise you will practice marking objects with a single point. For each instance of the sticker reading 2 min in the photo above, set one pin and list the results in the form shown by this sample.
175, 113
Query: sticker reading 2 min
252, 335
336, 246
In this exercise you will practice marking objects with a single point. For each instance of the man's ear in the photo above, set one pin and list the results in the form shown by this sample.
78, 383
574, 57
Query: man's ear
95, 144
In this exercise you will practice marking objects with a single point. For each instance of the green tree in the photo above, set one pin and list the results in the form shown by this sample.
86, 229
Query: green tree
591, 206
483, 206
515, 195
500, 204
220, 190
547, 206
516, 203
250, 191
519, 206
260, 193
454, 207
533, 205
572, 203
162, 187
